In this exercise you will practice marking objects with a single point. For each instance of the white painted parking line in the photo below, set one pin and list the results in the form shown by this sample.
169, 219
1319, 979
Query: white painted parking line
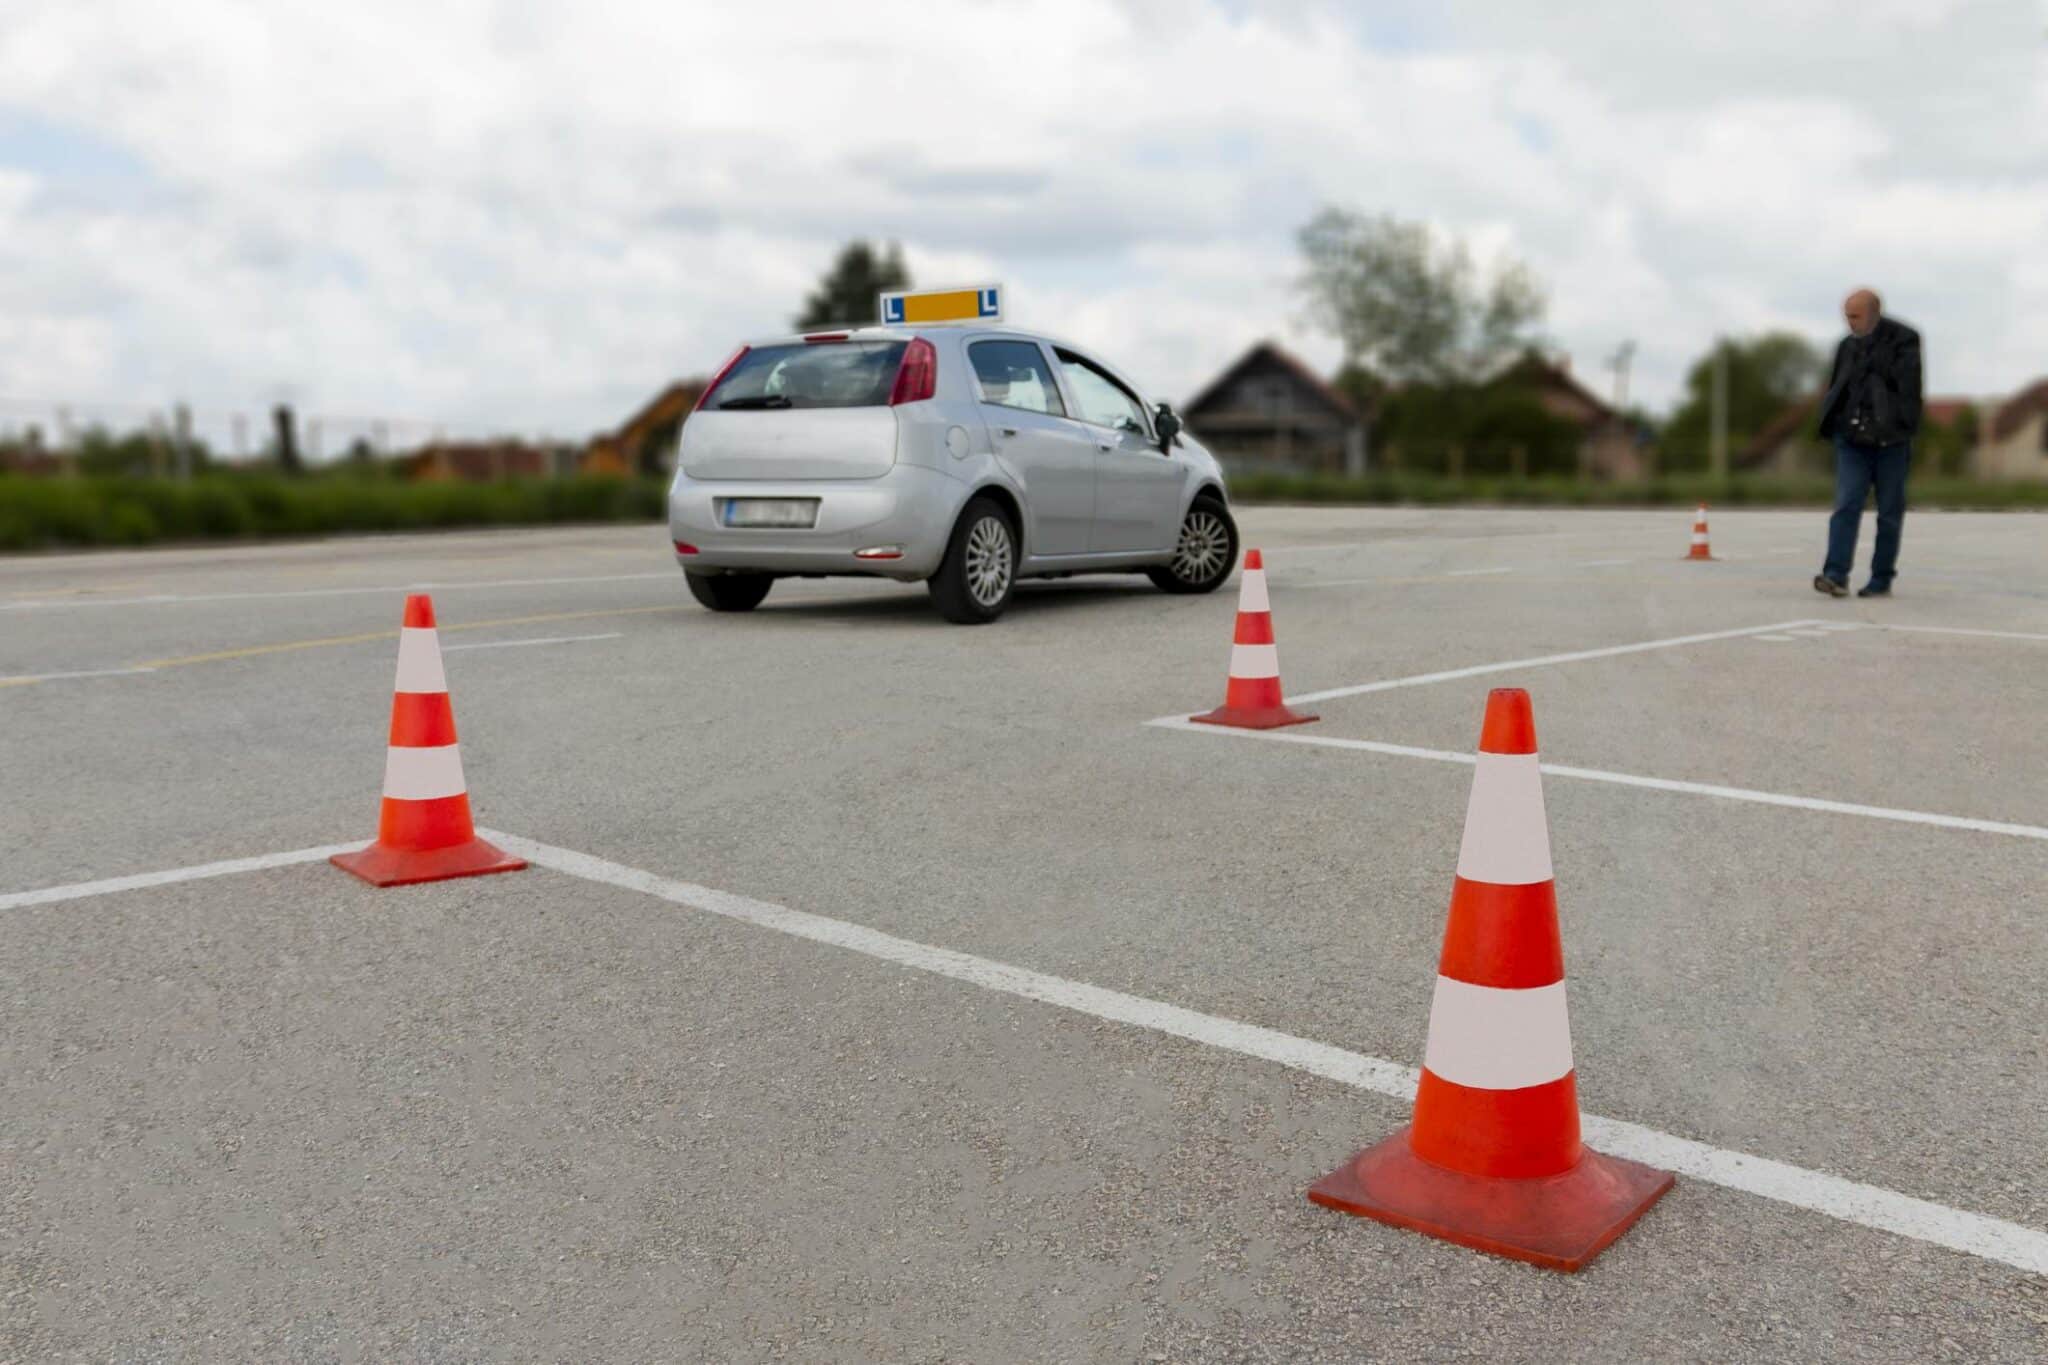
52, 604
1958, 630
1474, 573
1763, 798
544, 640
17, 900
1479, 670
1776, 639
1850, 1201
1810, 634
6, 679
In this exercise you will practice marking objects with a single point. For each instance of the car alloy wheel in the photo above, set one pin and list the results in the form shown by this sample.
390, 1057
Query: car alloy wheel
988, 560
1204, 542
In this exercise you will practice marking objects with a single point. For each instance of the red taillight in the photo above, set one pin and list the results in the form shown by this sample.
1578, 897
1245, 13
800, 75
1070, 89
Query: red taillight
719, 378
813, 338
917, 377
683, 548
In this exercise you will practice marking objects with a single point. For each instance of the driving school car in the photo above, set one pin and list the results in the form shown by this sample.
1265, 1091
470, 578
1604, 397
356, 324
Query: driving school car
939, 446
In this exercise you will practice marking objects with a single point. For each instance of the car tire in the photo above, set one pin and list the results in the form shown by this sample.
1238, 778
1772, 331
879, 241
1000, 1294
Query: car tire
979, 572
729, 591
1206, 551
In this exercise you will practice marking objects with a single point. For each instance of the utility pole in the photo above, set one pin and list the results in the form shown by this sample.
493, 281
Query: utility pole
1717, 449
181, 438
1619, 362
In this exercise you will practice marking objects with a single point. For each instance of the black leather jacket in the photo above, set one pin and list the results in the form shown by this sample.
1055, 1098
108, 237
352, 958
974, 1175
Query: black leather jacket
1878, 381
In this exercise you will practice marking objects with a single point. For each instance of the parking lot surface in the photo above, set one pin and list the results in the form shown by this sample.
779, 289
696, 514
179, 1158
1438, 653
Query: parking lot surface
891, 990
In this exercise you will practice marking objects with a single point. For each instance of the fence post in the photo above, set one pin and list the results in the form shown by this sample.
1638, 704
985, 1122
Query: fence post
1457, 460
1518, 461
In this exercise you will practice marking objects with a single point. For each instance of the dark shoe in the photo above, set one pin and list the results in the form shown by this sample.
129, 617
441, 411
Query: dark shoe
1822, 583
1873, 590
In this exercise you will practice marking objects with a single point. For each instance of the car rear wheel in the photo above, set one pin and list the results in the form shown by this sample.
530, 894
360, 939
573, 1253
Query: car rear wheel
1206, 552
729, 591
979, 572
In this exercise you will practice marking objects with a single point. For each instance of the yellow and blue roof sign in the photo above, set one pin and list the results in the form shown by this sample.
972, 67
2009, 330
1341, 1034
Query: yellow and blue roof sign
980, 303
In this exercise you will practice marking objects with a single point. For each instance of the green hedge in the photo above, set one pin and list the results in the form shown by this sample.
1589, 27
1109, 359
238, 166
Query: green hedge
39, 512
1672, 491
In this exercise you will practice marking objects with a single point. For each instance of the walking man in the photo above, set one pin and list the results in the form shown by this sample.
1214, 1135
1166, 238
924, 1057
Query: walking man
1871, 412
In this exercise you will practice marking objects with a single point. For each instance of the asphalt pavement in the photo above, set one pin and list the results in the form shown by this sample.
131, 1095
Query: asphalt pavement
278, 1115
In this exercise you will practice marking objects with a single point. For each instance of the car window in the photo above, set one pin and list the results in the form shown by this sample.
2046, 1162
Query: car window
1013, 374
847, 374
1102, 400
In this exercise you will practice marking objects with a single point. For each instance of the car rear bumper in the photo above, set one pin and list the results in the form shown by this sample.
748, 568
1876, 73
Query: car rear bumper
909, 507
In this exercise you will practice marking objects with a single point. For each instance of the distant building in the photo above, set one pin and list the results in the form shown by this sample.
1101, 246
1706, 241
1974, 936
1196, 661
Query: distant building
1269, 410
487, 461
2009, 441
2012, 440
645, 443
1607, 447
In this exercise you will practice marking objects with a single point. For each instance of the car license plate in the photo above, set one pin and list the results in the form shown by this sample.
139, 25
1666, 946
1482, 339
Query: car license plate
801, 512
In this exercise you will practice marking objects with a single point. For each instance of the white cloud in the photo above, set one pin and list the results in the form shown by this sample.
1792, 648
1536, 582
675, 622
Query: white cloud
529, 216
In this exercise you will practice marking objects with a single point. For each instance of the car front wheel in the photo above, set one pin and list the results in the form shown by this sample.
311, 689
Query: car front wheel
1206, 551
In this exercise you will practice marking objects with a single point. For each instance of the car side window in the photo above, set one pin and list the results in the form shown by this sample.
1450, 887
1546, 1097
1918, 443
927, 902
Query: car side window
1102, 400
1013, 374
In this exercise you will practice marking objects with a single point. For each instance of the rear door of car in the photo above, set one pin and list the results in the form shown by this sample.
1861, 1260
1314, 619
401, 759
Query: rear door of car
1137, 485
1049, 453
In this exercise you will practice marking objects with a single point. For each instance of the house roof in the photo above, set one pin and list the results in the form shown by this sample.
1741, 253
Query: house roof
1272, 351
2014, 411
1534, 365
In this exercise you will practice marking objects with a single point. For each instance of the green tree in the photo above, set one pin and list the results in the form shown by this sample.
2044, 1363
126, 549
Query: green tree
1766, 373
847, 293
1408, 307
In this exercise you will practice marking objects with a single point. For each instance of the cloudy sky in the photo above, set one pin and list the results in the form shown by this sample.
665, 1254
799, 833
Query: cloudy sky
529, 216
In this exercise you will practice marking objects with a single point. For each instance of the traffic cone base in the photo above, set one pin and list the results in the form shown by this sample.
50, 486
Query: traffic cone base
1253, 717
383, 865
1558, 1221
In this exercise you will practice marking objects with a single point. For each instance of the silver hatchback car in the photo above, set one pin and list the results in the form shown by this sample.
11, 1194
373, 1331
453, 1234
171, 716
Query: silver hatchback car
962, 456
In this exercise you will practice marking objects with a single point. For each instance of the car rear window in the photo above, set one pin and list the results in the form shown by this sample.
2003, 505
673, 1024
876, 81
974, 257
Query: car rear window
828, 374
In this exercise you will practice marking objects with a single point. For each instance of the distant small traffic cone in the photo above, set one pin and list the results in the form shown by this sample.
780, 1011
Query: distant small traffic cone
1699, 536
1251, 696
1493, 1159
424, 833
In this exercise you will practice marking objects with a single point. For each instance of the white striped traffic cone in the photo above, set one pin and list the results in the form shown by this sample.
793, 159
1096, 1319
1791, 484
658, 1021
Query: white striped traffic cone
1493, 1159
1699, 548
424, 832
1251, 696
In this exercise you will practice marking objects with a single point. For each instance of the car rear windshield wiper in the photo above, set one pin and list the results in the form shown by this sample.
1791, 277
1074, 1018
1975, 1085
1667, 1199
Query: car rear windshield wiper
759, 400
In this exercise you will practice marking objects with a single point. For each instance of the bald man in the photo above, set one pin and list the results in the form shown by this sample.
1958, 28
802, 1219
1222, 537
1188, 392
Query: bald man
1871, 412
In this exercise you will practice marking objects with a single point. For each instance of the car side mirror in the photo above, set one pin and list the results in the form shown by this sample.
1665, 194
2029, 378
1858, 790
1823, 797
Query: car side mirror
1168, 426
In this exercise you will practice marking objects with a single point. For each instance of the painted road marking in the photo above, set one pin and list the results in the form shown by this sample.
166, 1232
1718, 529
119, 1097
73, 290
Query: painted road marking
20, 679
544, 640
1775, 639
182, 598
1958, 630
1478, 670
1810, 634
1910, 817
1849, 1201
48, 895
1474, 573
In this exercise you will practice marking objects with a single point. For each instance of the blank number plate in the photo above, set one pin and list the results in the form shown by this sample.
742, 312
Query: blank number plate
800, 512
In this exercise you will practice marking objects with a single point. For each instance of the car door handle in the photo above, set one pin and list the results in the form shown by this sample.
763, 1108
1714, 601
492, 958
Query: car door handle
1006, 431
1105, 445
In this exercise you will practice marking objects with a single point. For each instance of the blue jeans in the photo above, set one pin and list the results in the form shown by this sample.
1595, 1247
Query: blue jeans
1856, 469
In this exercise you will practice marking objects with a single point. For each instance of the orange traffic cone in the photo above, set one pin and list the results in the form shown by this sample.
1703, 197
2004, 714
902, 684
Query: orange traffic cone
1699, 536
1251, 696
424, 833
1492, 1159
